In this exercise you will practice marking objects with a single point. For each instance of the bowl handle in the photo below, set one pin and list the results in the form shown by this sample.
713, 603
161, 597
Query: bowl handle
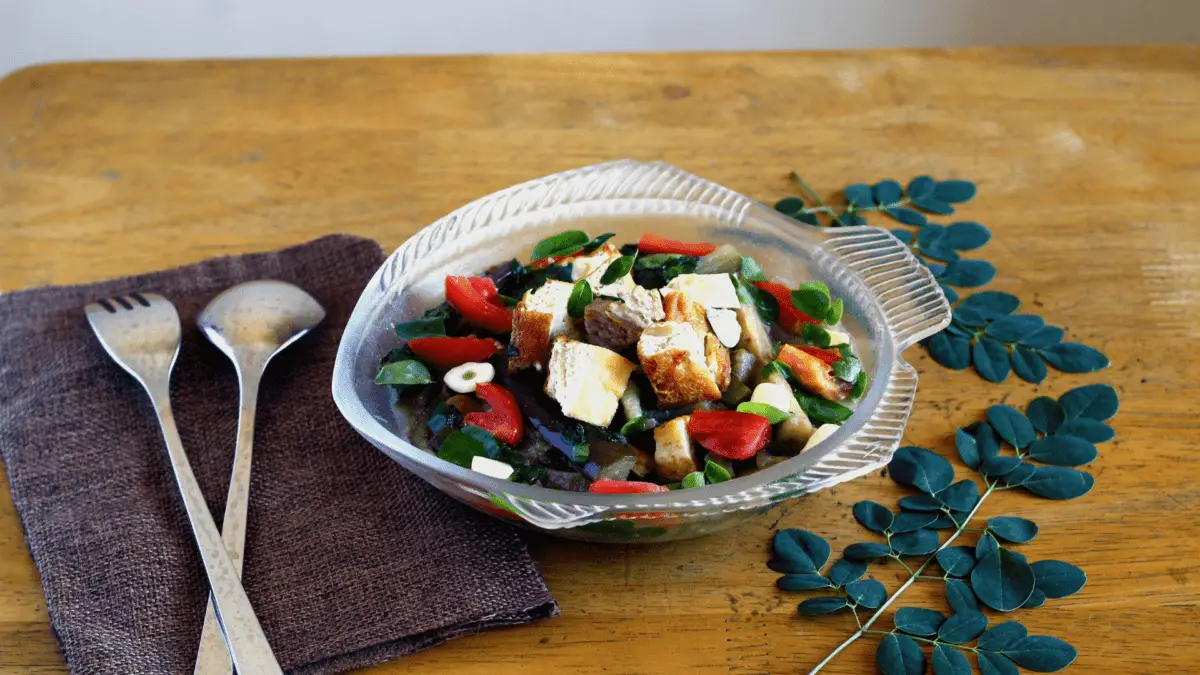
550, 516
912, 302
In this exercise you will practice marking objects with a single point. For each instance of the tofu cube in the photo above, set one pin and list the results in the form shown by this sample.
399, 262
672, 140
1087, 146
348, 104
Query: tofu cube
586, 380
674, 454
674, 357
710, 290
538, 318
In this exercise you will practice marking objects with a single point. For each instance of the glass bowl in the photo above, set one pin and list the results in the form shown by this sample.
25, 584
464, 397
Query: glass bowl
891, 301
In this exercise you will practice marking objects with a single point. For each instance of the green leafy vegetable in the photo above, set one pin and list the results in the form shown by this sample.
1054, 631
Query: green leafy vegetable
581, 297
815, 335
776, 367
812, 298
751, 271
420, 328
403, 373
774, 415
694, 479
597, 242
822, 411
641, 423
617, 269
561, 244
715, 473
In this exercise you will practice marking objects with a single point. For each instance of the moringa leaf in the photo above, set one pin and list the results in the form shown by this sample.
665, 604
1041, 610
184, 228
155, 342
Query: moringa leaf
991, 305
715, 473
887, 192
917, 542
694, 479
802, 582
822, 411
918, 621
405, 372
1014, 427
420, 328
1002, 635
1088, 430
921, 186
1013, 529
1041, 653
968, 450
991, 663
873, 516
750, 270
962, 496
860, 195
617, 269
845, 571
812, 298
994, 467
949, 521
938, 251
1073, 357
1063, 450
963, 627
1057, 482
822, 605
911, 521
933, 205
815, 335
899, 655
785, 566
1029, 365
561, 244
867, 593
930, 234
866, 550
954, 191
597, 242
1020, 474
1045, 414
917, 467
950, 293
949, 661
1093, 401
969, 317
907, 216
805, 549
1002, 580
1036, 599
991, 360
986, 439
903, 235
1015, 326
966, 236
771, 413
968, 273
1058, 579
950, 351
986, 546
789, 205
957, 561
920, 503
960, 597
1044, 338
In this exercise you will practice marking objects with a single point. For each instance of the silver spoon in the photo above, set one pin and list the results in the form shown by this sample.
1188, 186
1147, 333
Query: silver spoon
251, 323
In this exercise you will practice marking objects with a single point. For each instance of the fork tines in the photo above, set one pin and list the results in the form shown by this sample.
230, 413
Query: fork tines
125, 301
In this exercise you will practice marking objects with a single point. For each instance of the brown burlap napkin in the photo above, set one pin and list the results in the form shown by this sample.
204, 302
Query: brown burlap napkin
350, 560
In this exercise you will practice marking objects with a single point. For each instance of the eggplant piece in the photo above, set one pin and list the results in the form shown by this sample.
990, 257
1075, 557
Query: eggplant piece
572, 481
616, 460
724, 260
792, 433
755, 338
737, 393
631, 401
744, 365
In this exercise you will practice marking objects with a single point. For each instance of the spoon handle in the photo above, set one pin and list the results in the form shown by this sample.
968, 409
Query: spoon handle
212, 657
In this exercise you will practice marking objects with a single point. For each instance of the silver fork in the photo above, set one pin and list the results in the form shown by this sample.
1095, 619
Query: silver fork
141, 332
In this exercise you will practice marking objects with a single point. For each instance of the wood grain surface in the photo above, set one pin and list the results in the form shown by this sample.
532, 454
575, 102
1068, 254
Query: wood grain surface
1088, 166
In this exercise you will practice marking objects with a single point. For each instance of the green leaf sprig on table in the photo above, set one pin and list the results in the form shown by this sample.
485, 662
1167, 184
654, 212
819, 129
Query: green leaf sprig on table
1046, 442
984, 332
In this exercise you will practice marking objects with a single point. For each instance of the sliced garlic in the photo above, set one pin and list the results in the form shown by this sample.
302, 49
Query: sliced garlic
490, 467
837, 337
773, 394
824, 431
463, 379
725, 324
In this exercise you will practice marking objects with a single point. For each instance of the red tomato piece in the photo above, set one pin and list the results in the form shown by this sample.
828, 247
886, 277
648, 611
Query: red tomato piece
729, 433
830, 356
790, 319
504, 420
479, 302
652, 243
608, 486
447, 352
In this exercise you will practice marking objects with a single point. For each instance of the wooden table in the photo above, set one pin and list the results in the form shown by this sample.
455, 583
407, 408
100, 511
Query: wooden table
1088, 166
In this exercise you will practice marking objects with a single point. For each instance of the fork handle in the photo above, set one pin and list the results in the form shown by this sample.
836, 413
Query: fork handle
243, 635
212, 658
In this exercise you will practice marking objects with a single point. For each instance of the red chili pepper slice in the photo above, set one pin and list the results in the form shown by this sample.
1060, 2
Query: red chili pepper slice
479, 302
504, 420
609, 486
729, 433
447, 352
790, 319
652, 243
830, 356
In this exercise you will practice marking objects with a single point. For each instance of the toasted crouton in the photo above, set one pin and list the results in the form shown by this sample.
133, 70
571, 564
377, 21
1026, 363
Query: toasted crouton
583, 266
673, 356
677, 306
815, 376
617, 324
674, 455
586, 380
539, 317
716, 356
710, 290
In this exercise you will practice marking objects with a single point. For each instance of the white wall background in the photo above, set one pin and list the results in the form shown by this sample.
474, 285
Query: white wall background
39, 31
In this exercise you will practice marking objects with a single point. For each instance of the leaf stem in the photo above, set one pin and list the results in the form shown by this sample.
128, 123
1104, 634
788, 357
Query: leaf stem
934, 641
864, 629
817, 198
